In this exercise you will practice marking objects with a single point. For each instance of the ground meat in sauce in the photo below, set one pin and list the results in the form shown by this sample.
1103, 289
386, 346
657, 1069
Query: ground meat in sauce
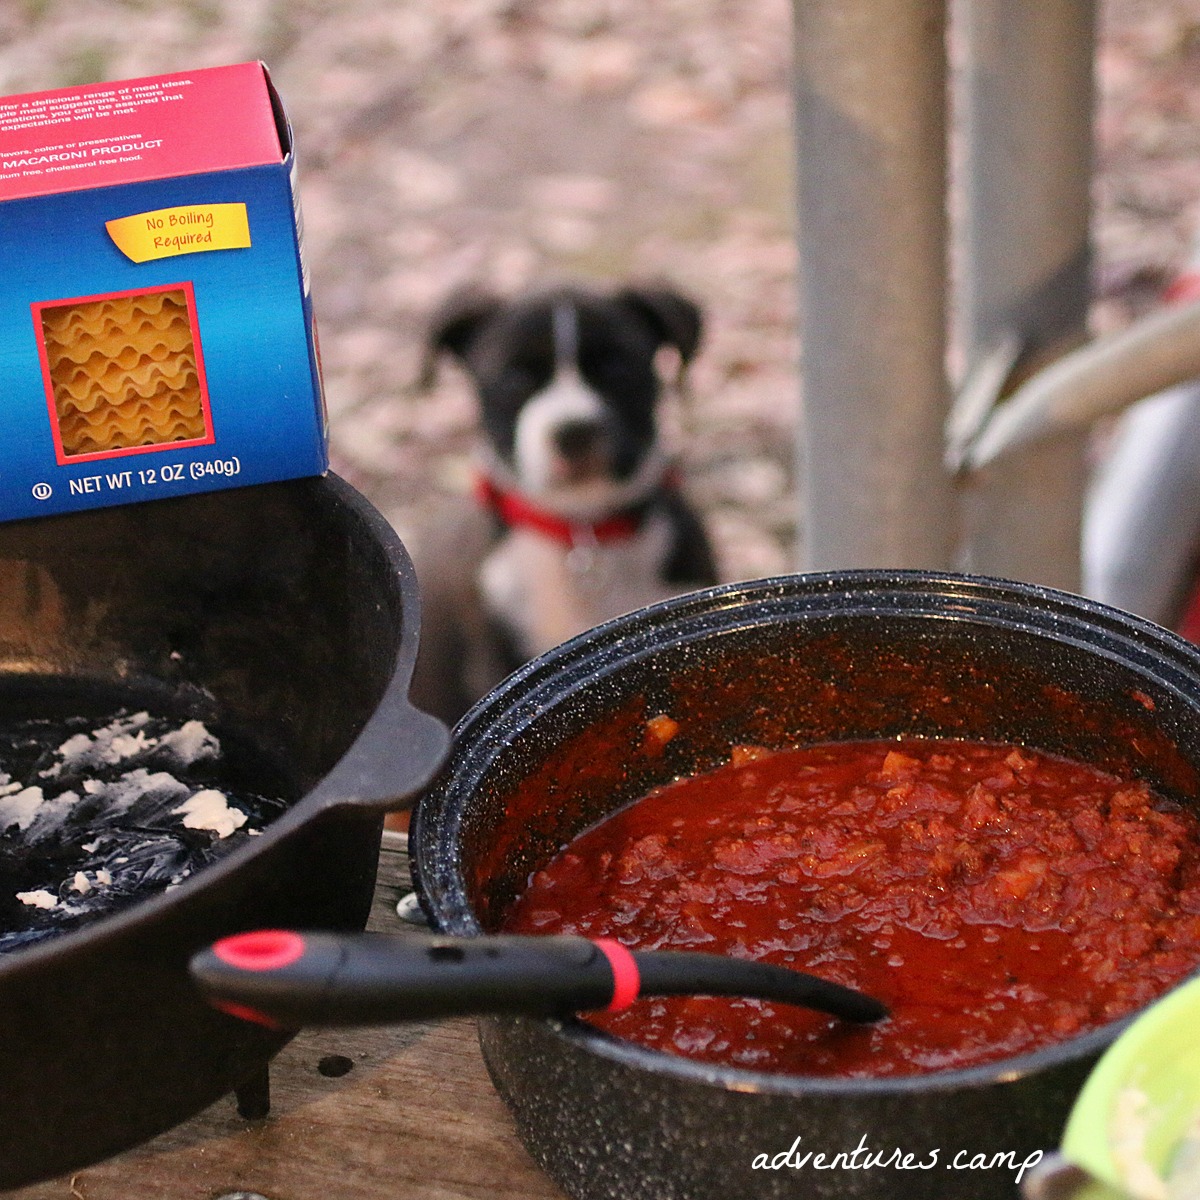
997, 899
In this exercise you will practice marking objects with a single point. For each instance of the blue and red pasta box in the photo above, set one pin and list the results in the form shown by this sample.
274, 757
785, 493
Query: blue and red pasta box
156, 325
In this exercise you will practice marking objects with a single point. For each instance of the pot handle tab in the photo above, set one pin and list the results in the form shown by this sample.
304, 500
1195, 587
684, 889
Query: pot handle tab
395, 756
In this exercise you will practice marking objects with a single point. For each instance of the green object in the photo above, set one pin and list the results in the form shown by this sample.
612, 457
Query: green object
1129, 1126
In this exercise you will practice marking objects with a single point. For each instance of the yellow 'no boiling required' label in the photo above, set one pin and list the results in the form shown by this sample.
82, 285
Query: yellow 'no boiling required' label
189, 229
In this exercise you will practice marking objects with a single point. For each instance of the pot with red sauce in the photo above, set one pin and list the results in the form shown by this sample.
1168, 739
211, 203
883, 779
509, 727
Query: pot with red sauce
975, 799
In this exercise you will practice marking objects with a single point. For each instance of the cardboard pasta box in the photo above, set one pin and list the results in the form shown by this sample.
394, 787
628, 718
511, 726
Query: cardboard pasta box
156, 326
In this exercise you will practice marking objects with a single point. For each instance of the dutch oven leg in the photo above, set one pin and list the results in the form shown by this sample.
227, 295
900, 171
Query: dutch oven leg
254, 1094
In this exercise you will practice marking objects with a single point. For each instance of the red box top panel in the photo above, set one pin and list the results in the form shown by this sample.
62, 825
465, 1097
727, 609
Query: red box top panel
129, 131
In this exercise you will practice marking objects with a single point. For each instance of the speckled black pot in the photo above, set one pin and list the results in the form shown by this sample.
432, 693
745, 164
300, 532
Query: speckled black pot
778, 662
285, 613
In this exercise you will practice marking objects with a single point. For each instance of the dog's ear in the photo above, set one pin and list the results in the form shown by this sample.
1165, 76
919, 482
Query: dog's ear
454, 325
675, 320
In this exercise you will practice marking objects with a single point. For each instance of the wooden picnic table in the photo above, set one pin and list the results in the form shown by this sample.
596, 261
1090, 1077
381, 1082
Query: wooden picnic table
357, 1114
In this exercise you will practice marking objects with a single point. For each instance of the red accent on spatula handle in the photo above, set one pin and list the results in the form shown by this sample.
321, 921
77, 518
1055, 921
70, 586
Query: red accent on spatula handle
627, 979
261, 949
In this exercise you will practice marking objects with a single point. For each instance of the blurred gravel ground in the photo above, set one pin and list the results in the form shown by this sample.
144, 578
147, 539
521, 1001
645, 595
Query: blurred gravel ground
515, 141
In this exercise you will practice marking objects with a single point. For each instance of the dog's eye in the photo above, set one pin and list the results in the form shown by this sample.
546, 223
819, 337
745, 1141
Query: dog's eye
608, 371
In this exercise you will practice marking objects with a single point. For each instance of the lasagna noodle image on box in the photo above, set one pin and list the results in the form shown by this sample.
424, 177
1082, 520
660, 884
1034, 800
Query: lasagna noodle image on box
123, 372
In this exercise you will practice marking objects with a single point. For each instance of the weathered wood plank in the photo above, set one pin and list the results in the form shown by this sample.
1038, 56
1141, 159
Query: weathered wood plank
415, 1116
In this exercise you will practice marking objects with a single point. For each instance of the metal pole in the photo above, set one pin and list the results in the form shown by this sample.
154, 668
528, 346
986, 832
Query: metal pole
871, 139
1026, 100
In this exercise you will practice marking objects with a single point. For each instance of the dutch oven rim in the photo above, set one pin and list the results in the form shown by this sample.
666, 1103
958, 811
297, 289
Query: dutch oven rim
393, 714
584, 660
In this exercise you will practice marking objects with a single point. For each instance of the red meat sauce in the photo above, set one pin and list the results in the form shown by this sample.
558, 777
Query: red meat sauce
996, 899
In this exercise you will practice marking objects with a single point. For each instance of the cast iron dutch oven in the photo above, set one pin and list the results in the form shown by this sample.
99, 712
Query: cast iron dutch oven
286, 617
784, 662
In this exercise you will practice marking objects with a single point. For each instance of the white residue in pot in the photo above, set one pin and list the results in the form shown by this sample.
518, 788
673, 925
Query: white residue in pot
18, 804
109, 813
210, 810
126, 738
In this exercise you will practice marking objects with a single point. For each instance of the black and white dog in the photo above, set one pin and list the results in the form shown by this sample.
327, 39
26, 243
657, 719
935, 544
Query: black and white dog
578, 514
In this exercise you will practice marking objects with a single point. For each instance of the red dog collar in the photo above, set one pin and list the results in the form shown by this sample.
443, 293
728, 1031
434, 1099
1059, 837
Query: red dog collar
517, 511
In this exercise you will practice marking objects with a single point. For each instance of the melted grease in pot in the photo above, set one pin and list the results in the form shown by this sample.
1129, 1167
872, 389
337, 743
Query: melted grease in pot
98, 813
